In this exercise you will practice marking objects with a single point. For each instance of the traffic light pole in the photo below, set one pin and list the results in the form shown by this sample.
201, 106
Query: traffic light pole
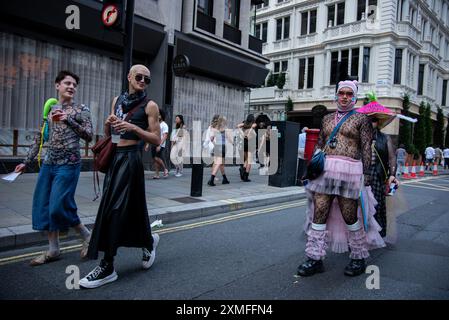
128, 42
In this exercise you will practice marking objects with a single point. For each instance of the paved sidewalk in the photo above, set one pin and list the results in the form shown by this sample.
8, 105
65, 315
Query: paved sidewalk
168, 199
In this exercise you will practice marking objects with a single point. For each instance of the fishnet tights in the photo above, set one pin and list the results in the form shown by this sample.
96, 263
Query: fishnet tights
323, 202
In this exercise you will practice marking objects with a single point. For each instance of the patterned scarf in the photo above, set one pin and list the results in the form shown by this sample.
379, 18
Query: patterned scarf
128, 101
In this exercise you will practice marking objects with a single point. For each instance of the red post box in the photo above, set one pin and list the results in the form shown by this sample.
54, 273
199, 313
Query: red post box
311, 140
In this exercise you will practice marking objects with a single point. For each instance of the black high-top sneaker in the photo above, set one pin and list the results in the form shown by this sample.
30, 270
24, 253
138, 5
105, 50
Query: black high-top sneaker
245, 177
310, 267
355, 267
100, 275
225, 180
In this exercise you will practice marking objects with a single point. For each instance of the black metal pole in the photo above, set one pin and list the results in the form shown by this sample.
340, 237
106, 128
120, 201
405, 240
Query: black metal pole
128, 42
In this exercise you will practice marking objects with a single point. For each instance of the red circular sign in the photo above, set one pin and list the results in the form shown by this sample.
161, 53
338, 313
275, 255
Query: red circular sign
109, 15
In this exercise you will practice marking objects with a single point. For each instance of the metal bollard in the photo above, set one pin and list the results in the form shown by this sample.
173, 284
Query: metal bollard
196, 184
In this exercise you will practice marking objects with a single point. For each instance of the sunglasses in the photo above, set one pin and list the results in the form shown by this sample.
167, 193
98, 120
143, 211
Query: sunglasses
374, 120
342, 93
139, 78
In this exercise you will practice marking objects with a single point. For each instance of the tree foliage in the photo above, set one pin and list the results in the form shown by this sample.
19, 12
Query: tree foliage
405, 127
428, 125
438, 134
419, 137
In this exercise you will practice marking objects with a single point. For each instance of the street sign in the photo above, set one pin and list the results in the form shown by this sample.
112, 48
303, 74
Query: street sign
109, 15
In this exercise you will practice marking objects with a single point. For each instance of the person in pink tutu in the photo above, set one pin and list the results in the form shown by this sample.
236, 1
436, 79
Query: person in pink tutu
334, 218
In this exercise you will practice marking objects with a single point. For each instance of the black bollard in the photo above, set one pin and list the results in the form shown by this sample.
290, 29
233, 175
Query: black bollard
196, 185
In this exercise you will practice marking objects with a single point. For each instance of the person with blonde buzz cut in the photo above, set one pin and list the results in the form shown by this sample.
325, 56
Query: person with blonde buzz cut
122, 218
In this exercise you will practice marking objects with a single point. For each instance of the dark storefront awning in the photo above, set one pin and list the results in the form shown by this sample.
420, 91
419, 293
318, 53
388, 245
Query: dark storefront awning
46, 20
220, 63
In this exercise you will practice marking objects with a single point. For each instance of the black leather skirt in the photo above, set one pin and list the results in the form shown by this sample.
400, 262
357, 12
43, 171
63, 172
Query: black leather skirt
122, 218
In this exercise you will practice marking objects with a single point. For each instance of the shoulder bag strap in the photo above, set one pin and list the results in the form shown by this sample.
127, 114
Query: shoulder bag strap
337, 127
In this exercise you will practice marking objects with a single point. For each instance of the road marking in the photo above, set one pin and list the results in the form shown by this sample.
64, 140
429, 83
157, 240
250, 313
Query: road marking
423, 187
433, 185
300, 203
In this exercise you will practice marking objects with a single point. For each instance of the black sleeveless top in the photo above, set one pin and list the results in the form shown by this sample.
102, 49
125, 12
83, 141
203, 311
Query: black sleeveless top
139, 118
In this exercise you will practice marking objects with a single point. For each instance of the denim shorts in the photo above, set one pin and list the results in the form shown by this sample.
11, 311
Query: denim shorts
54, 207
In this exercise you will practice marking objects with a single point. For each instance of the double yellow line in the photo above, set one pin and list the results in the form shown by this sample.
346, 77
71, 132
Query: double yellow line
300, 203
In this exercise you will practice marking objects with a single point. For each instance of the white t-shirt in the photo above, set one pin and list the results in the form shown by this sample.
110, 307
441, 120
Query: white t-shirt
164, 129
430, 153
446, 153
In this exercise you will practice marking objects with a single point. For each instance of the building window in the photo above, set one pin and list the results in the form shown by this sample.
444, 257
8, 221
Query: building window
261, 31
397, 66
262, 5
443, 98
280, 66
283, 28
304, 64
420, 79
232, 12
308, 22
302, 73
363, 7
336, 14
355, 62
206, 7
310, 67
365, 68
334, 66
423, 31
348, 65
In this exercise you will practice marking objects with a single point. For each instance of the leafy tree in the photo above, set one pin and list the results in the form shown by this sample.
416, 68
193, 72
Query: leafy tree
289, 105
420, 130
428, 125
405, 127
438, 134
281, 81
447, 134
271, 82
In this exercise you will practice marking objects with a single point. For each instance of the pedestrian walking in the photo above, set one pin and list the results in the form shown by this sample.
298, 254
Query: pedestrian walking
333, 218
446, 157
401, 155
264, 148
430, 156
247, 149
54, 207
438, 155
122, 218
219, 136
157, 151
178, 139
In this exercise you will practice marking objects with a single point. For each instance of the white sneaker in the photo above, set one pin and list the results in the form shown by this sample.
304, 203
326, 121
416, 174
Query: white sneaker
178, 175
99, 276
149, 257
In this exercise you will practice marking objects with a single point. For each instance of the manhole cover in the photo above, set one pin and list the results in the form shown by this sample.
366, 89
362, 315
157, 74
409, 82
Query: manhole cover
187, 200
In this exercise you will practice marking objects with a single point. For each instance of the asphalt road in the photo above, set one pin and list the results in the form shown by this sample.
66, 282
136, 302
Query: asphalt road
253, 255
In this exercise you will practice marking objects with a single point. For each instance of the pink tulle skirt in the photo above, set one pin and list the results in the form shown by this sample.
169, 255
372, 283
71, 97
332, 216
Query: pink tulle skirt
342, 176
337, 232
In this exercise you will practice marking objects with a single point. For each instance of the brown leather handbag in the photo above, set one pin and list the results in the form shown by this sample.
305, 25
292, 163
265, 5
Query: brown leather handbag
103, 151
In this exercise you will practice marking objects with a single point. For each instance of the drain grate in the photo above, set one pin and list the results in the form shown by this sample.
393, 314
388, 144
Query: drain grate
187, 200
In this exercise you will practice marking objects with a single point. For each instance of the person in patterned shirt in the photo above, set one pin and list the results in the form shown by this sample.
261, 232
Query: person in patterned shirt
333, 219
54, 207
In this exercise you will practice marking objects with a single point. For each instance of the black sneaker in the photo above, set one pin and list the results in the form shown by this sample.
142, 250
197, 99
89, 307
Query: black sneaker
225, 180
355, 267
102, 274
310, 267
